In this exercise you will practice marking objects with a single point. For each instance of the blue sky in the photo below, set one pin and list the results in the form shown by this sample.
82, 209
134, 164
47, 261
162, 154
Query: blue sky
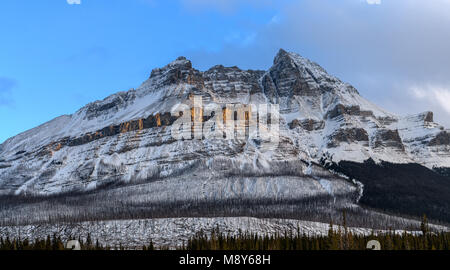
56, 57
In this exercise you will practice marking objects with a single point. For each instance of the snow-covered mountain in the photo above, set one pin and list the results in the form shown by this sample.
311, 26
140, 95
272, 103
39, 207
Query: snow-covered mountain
127, 138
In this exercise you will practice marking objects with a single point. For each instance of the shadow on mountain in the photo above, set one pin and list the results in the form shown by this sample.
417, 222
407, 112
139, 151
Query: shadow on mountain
409, 189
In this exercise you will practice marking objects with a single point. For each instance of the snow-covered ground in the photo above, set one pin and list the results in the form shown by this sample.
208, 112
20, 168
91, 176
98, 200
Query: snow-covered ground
171, 232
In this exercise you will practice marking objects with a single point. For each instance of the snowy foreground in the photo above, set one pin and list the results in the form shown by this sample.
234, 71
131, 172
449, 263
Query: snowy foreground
172, 232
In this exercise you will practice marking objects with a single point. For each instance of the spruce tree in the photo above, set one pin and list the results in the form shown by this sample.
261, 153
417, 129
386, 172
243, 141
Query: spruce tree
424, 225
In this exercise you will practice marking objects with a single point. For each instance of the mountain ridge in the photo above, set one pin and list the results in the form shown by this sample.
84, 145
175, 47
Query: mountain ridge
320, 115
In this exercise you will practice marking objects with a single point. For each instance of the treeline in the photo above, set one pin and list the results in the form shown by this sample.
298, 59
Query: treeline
246, 241
337, 239
51, 243
333, 241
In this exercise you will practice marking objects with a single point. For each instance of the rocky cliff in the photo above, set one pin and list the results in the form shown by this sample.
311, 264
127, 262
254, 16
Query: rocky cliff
126, 138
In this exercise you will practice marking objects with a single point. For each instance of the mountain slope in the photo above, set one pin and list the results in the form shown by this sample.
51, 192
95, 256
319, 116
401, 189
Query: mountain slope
126, 139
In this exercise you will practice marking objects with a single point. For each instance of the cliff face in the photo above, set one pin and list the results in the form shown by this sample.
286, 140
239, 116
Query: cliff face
127, 136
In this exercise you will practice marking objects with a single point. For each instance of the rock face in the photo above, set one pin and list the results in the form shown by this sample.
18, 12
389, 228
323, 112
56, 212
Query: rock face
127, 136
388, 138
349, 136
307, 124
443, 138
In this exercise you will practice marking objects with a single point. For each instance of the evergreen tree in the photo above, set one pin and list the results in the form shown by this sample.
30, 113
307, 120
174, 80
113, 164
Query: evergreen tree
424, 225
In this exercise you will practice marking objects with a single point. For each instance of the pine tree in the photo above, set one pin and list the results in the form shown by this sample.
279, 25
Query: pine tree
424, 225
332, 238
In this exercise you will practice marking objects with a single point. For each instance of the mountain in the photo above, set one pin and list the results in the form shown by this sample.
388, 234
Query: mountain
123, 144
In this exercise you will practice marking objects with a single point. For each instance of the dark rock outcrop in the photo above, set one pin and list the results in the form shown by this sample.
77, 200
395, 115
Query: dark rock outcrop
4, 166
348, 135
388, 138
110, 104
443, 138
179, 71
307, 124
233, 80
428, 117
290, 79
386, 120
152, 121
341, 110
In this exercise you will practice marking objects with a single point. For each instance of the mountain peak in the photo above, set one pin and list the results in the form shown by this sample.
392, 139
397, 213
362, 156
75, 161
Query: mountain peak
180, 63
282, 56
286, 58
282, 51
179, 70
293, 75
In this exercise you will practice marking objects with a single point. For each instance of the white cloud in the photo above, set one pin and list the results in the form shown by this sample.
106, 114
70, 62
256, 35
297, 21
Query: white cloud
435, 94
74, 2
403, 44
374, 2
